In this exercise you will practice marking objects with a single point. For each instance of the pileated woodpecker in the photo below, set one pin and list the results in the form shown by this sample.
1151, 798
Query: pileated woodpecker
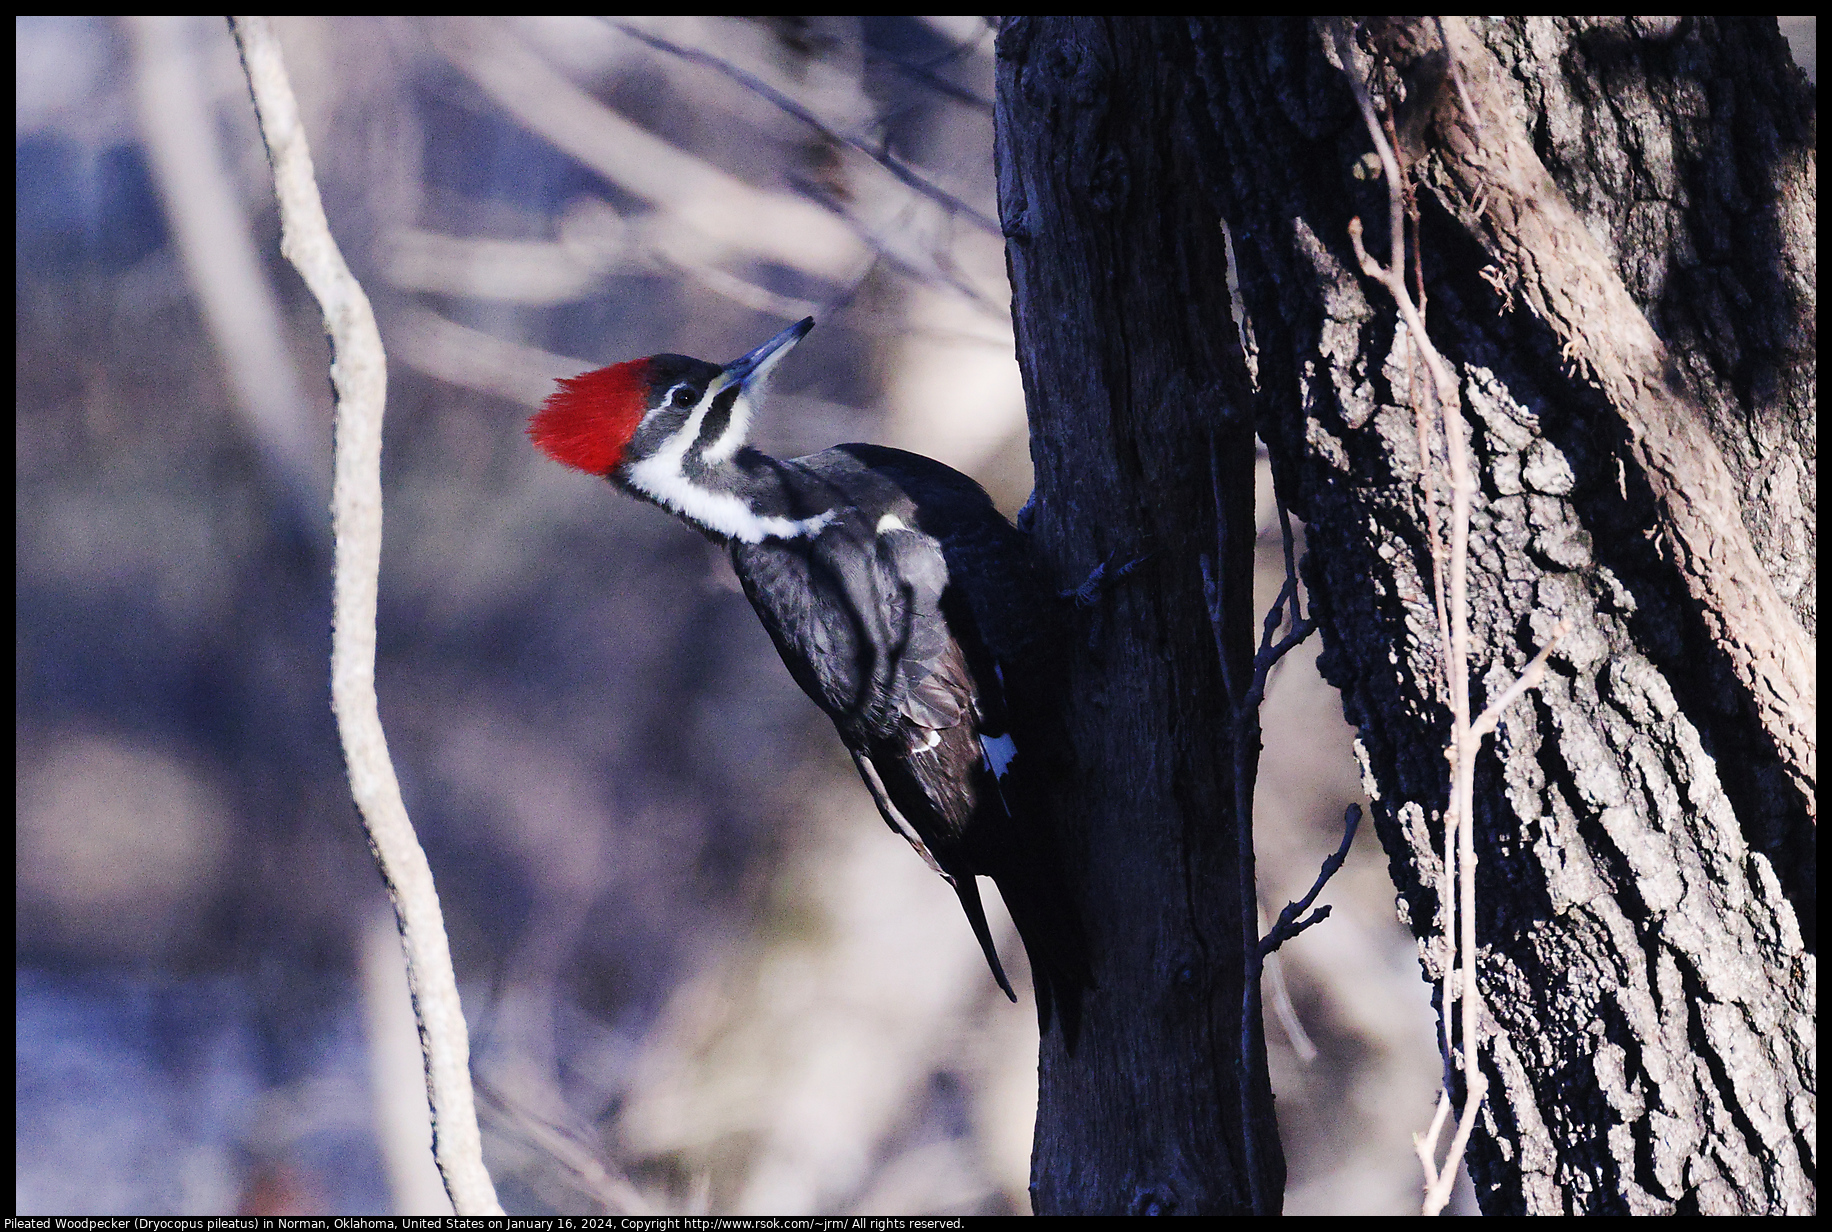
900, 600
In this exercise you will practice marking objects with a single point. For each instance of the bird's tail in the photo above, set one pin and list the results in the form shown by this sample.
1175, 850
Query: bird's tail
1053, 938
968, 888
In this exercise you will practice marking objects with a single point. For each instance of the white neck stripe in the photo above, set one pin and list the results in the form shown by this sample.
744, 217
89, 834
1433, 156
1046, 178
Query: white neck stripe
722, 513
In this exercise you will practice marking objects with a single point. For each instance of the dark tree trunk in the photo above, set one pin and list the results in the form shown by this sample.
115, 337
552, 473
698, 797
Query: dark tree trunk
1644, 820
1134, 378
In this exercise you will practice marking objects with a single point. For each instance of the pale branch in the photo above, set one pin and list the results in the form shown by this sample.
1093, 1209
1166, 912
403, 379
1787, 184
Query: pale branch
1529, 678
1426, 1144
714, 216
1285, 1011
733, 219
1460, 861
222, 261
573, 1150
1456, 76
359, 375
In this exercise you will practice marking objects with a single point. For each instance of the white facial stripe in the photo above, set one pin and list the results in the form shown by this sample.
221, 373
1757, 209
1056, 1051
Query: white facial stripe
661, 474
722, 449
736, 426
667, 459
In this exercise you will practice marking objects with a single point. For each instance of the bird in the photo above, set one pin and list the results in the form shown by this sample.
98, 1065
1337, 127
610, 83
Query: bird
900, 600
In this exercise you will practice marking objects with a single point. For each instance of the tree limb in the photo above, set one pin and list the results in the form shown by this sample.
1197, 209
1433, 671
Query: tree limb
359, 373
1284, 929
905, 174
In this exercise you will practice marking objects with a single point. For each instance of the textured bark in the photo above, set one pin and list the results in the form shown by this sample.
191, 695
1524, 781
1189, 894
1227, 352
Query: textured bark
1134, 379
1489, 174
1646, 894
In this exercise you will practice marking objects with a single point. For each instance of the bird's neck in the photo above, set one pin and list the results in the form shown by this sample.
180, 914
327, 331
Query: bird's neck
748, 497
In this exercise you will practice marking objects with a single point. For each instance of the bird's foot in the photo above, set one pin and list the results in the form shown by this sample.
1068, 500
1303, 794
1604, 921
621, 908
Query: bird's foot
1088, 593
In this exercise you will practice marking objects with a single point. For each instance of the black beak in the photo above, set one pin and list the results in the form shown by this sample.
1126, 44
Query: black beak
756, 365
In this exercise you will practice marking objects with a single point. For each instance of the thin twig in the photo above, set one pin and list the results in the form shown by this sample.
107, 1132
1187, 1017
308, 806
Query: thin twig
1283, 929
1459, 909
1456, 75
750, 81
1285, 1011
1529, 678
568, 1148
359, 373
1426, 1144
1245, 738
927, 76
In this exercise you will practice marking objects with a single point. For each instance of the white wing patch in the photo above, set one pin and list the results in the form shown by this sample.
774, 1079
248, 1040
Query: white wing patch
890, 522
999, 750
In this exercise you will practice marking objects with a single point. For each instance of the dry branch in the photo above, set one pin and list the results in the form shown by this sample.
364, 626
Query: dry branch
359, 373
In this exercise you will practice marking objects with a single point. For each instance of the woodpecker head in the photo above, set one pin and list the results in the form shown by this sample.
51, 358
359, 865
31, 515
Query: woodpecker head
652, 425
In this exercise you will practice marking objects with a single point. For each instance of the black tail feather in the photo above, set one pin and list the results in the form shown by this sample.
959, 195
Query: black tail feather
967, 887
1058, 950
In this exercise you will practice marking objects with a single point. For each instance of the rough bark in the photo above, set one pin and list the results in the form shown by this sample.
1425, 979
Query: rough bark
1134, 379
1646, 909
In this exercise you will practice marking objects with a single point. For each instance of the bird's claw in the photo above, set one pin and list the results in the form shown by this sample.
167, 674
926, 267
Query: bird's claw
1088, 593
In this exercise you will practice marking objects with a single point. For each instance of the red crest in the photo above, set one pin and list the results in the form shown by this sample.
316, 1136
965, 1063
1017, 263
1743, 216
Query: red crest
589, 420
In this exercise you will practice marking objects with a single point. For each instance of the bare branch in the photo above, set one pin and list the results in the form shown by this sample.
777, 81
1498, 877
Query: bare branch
1456, 75
1530, 678
731, 216
1459, 820
1244, 739
359, 373
571, 1150
223, 265
1283, 929
1285, 1011
1286, 611
750, 81
926, 75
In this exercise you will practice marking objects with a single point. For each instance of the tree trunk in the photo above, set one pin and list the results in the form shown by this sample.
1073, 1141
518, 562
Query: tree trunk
1617, 230
1135, 381
1645, 854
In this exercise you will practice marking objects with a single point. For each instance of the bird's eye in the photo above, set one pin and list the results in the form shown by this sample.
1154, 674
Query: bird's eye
683, 396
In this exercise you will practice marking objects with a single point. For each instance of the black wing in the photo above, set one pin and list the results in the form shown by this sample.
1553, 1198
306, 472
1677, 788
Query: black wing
905, 629
860, 625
